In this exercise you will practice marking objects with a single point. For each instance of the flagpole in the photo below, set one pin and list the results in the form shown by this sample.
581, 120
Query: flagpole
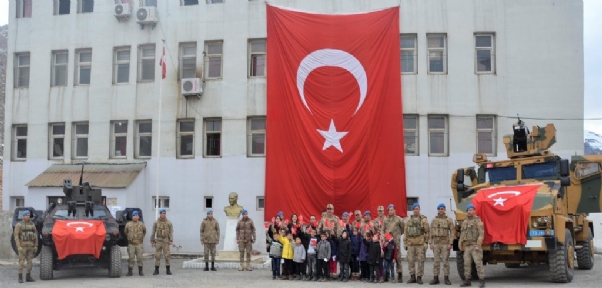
159, 132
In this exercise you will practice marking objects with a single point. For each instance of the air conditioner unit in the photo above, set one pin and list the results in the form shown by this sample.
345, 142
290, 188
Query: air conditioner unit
122, 11
192, 87
146, 15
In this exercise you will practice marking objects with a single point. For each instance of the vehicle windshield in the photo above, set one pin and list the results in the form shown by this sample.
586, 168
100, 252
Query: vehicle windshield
80, 214
501, 174
546, 170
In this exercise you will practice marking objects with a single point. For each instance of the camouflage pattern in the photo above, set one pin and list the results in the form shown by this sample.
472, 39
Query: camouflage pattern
209, 250
135, 254
476, 256
442, 236
135, 232
210, 231
161, 238
394, 225
416, 231
416, 253
26, 238
472, 232
162, 248
26, 255
441, 254
327, 221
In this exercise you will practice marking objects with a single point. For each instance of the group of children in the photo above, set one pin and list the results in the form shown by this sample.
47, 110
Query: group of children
305, 256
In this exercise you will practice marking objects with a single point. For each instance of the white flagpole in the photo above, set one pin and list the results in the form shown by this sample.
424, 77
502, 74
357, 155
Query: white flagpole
159, 131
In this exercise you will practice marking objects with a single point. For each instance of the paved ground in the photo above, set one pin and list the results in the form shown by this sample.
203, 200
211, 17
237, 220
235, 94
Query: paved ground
497, 276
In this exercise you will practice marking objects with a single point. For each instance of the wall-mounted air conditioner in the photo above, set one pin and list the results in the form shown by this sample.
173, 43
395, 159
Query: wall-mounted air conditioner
192, 87
146, 16
122, 11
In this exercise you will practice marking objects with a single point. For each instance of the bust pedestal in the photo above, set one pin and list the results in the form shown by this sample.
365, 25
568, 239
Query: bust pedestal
230, 250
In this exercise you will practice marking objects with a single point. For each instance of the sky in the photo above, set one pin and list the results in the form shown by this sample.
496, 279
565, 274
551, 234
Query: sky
592, 42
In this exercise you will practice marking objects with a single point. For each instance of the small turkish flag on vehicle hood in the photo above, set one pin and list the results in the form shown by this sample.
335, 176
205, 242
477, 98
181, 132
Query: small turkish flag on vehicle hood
79, 237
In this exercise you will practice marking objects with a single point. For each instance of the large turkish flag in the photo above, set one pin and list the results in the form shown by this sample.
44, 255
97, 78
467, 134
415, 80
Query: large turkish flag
78, 237
334, 114
505, 212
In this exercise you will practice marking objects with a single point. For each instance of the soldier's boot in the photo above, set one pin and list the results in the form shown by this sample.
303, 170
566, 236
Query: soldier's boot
167, 271
435, 280
28, 278
156, 270
481, 283
399, 278
249, 266
129, 271
446, 280
465, 284
419, 280
20, 278
241, 266
412, 279
140, 272
213, 266
206, 266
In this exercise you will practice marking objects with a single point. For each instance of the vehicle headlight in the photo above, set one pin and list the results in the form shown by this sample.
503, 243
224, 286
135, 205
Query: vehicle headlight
539, 219
545, 219
535, 224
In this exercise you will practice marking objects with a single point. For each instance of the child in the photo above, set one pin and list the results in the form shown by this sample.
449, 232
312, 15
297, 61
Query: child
323, 254
312, 256
389, 253
332, 262
275, 250
373, 258
299, 258
344, 255
285, 238
356, 239
365, 268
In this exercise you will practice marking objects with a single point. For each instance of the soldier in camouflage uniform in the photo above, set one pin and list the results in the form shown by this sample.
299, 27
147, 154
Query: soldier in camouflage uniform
329, 220
415, 236
394, 224
442, 237
209, 238
135, 232
26, 239
161, 239
379, 222
365, 226
245, 237
471, 239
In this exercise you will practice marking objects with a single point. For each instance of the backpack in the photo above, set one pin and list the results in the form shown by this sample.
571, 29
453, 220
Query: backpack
276, 250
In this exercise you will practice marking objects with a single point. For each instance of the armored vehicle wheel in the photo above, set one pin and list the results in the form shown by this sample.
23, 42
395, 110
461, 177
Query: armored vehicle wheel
115, 262
562, 260
512, 265
585, 255
460, 266
46, 261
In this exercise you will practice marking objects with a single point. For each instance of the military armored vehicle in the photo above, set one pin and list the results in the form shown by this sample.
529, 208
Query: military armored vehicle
556, 227
79, 231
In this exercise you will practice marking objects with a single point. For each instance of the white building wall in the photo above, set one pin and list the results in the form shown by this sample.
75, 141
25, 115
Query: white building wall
539, 74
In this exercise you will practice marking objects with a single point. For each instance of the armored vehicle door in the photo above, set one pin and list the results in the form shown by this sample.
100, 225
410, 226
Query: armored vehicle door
123, 217
588, 173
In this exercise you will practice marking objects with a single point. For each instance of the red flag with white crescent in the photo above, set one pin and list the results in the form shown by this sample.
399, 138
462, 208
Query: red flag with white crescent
334, 114
78, 237
163, 64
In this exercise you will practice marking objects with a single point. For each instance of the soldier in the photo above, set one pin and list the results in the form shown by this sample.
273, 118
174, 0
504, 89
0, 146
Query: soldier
358, 219
394, 224
26, 239
471, 239
415, 236
366, 223
135, 232
245, 237
161, 239
442, 237
209, 238
379, 221
330, 220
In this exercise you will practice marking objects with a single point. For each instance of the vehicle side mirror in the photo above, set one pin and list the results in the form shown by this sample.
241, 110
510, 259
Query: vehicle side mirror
460, 179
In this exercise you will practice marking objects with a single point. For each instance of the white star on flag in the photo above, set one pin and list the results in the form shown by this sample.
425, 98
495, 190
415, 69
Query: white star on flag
332, 137
499, 201
79, 229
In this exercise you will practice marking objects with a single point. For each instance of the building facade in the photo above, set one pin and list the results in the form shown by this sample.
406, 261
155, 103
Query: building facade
84, 85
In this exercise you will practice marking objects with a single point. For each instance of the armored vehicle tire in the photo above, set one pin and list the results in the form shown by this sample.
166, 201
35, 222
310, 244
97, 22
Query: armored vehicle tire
460, 266
13, 244
512, 265
562, 260
46, 259
585, 255
115, 262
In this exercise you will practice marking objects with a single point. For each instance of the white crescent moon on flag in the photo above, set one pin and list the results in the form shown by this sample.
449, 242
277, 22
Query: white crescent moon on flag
80, 223
334, 58
516, 193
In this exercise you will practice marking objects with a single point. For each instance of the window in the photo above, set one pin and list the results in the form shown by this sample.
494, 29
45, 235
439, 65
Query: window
485, 53
20, 142
80, 140
410, 201
214, 1
83, 66
190, 2
408, 54
438, 135
162, 203
62, 7
410, 134
213, 62
151, 3
144, 139
24, 8
187, 60
257, 58
121, 74
22, 67
486, 135
57, 140
59, 68
260, 203
185, 139
256, 134
119, 139
85, 6
208, 202
437, 53
146, 63
16, 202
213, 136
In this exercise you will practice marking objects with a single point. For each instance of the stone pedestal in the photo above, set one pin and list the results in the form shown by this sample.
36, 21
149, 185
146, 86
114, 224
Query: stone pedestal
230, 250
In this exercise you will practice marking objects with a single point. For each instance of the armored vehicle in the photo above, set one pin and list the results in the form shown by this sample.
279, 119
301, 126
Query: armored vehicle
551, 198
78, 232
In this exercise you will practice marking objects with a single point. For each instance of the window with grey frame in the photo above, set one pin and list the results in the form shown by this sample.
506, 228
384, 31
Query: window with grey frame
213, 59
213, 137
57, 141
19, 142
122, 65
24, 8
410, 134
437, 53
185, 140
189, 2
59, 68
80, 140
484, 53
256, 134
85, 6
408, 54
62, 7
144, 139
187, 60
119, 133
438, 135
83, 66
214, 1
146, 63
257, 58
22, 64
150, 3
486, 133
410, 201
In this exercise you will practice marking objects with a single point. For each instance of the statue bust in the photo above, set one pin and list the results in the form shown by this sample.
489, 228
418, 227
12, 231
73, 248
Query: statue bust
234, 209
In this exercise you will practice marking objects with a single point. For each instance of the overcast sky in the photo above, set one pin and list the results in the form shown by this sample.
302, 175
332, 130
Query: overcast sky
592, 31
